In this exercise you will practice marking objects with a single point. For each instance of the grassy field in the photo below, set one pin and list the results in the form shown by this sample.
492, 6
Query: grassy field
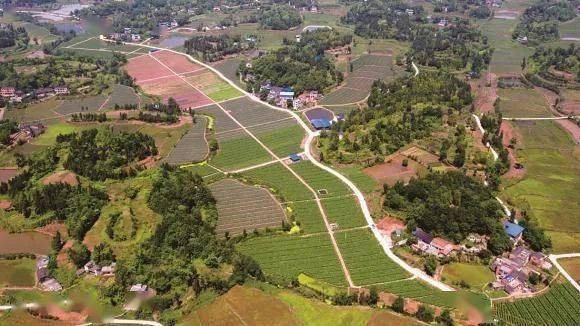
570, 28
522, 103
39, 111
320, 179
165, 138
551, 185
559, 306
476, 276
90, 103
18, 272
345, 211
366, 260
284, 183
289, 256
239, 153
253, 306
284, 141
508, 54
572, 266
192, 147
363, 182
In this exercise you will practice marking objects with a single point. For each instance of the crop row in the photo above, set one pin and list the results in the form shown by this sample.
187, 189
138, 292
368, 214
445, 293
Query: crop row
279, 178
320, 179
288, 256
345, 211
240, 153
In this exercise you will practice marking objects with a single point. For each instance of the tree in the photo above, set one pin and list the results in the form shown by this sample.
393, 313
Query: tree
79, 254
534, 278
399, 305
425, 313
373, 296
430, 265
344, 299
523, 63
56, 243
445, 318
405, 162
103, 254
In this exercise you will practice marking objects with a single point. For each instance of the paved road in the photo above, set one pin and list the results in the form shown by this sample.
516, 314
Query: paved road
385, 241
554, 259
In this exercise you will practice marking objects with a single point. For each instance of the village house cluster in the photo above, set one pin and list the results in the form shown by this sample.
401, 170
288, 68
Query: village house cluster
285, 97
513, 272
47, 282
428, 244
91, 268
16, 96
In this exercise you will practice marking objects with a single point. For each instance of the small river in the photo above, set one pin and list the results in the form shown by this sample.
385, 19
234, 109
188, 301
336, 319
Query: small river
24, 242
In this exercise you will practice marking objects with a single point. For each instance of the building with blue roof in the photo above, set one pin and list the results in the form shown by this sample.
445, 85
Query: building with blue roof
514, 231
294, 157
319, 124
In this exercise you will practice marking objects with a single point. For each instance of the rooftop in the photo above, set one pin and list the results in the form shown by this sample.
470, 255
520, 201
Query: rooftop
512, 229
320, 123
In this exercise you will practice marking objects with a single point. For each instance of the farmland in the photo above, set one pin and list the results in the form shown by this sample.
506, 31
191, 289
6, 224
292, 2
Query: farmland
250, 113
572, 266
229, 68
344, 211
559, 306
213, 86
239, 153
90, 103
508, 54
476, 276
550, 185
320, 180
192, 147
511, 103
366, 260
242, 207
357, 85
284, 141
38, 111
283, 181
288, 256
17, 272
307, 214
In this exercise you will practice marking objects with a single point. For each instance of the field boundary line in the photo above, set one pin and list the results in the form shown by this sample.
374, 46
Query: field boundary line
252, 126
385, 242
554, 259
322, 199
80, 42
395, 281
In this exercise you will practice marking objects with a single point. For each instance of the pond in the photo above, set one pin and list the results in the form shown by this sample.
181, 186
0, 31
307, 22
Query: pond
24, 242
173, 41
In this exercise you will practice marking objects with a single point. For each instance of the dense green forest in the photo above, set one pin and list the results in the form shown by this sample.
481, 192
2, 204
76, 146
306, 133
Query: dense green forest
562, 59
69, 70
99, 154
279, 17
77, 206
302, 65
406, 109
215, 47
7, 128
539, 23
451, 205
169, 261
458, 45
10, 36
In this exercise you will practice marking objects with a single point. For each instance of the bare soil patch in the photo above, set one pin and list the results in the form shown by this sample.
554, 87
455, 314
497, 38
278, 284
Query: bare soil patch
508, 133
67, 177
572, 128
393, 170
6, 174
485, 90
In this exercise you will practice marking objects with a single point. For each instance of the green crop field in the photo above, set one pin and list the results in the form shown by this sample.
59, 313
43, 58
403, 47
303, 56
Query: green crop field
18, 272
522, 103
508, 54
239, 153
362, 180
288, 256
122, 95
551, 185
320, 179
475, 275
41, 111
365, 258
221, 91
192, 147
283, 141
345, 211
282, 181
308, 215
559, 306
90, 103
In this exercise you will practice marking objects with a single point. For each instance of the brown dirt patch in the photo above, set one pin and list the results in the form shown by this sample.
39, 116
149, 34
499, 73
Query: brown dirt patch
52, 228
387, 298
67, 177
420, 155
485, 90
389, 225
6, 174
176, 62
388, 318
572, 128
62, 257
508, 133
393, 170
144, 67
411, 306
71, 317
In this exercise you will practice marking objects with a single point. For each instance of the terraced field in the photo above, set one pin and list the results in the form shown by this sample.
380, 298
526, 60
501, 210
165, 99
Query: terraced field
366, 260
242, 207
288, 256
192, 147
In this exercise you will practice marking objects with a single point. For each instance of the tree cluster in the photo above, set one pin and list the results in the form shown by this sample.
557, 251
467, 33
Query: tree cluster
451, 205
562, 59
279, 17
539, 23
400, 111
7, 128
10, 36
216, 47
302, 65
99, 154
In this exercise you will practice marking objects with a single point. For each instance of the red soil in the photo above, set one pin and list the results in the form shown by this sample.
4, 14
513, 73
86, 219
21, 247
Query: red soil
176, 62
185, 95
485, 96
51, 229
509, 133
8, 173
411, 306
391, 172
387, 298
389, 225
572, 128
67, 177
144, 67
